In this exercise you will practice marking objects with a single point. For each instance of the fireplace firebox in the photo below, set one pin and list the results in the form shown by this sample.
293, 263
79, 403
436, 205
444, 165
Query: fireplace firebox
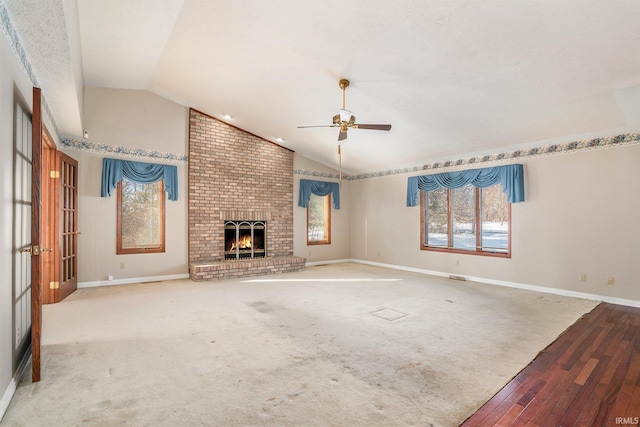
245, 239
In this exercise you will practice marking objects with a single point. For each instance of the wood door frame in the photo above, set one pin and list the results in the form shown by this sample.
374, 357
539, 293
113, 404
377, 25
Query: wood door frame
51, 228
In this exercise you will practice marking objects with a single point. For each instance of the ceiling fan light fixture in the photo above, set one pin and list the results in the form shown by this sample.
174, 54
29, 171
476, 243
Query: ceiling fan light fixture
345, 118
345, 115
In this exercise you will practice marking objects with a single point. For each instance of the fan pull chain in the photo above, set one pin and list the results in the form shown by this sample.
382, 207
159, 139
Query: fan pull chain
340, 162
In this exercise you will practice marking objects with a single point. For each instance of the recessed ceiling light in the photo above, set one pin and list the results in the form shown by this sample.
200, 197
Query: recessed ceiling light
280, 139
227, 116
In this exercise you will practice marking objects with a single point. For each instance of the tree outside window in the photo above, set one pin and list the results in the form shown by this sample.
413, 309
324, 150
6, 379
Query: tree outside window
466, 220
140, 221
319, 220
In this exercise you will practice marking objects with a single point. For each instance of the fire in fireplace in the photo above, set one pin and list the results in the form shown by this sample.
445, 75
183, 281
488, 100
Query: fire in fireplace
244, 239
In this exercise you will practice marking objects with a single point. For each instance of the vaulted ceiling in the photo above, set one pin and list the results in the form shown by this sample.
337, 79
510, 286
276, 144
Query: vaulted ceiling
455, 78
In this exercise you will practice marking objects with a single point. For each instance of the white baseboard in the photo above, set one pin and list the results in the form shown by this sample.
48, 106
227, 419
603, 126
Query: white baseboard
13, 384
6, 397
131, 280
332, 261
543, 289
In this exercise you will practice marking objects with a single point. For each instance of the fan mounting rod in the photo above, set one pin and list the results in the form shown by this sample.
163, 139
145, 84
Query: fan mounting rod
343, 83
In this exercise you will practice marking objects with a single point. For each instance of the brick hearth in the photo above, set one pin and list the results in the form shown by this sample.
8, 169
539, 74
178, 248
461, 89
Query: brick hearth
243, 268
234, 175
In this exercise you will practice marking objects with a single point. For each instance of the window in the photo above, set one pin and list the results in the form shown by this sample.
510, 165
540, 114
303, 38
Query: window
140, 219
319, 220
466, 220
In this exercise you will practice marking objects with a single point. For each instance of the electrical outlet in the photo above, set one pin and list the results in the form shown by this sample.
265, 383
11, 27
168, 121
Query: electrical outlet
457, 263
122, 266
18, 335
610, 280
583, 277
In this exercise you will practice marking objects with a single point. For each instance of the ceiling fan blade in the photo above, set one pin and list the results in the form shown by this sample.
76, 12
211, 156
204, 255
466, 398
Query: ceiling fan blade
342, 135
373, 127
319, 126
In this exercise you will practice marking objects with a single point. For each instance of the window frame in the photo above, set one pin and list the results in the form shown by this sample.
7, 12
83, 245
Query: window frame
126, 251
327, 213
478, 235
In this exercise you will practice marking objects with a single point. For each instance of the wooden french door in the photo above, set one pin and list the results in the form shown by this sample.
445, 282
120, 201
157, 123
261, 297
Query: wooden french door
68, 212
60, 224
37, 131
54, 186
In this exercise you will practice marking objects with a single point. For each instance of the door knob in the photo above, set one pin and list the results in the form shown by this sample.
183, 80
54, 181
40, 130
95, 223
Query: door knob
35, 250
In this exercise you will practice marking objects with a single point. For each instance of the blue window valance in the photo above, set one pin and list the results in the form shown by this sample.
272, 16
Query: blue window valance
510, 176
145, 173
319, 188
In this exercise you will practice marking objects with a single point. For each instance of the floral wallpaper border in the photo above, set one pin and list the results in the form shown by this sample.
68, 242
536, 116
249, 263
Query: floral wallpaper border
315, 174
18, 49
569, 147
83, 145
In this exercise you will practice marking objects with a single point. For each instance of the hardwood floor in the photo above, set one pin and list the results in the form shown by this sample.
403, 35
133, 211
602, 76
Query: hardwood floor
589, 376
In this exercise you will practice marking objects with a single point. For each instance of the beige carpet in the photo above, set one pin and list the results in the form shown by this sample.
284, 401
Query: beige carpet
334, 345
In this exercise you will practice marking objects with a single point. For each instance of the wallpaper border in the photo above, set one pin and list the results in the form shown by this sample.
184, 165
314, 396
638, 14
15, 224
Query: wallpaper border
549, 150
93, 147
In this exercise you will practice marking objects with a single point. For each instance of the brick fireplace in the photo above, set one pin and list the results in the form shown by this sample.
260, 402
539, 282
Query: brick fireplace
236, 177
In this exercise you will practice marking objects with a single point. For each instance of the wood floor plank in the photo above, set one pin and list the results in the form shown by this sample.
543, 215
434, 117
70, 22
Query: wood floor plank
588, 412
529, 411
511, 414
561, 388
586, 392
589, 376
572, 355
584, 374
507, 403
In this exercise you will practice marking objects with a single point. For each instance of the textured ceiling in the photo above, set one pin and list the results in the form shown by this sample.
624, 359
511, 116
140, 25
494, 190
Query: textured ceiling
53, 51
455, 78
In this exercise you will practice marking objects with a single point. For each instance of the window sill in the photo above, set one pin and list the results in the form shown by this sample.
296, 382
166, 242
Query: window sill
464, 252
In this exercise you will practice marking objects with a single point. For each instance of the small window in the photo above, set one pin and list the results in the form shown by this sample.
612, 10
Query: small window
140, 219
466, 220
319, 220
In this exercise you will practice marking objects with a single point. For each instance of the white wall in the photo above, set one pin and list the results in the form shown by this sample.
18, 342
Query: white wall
10, 76
131, 119
581, 215
340, 247
15, 87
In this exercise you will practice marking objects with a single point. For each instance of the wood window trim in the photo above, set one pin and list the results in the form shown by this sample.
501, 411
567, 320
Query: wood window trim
327, 215
126, 251
452, 250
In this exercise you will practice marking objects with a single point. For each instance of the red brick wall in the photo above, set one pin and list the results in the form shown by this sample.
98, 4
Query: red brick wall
235, 173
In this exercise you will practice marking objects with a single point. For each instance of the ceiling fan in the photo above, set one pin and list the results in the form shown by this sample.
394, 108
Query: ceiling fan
345, 118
